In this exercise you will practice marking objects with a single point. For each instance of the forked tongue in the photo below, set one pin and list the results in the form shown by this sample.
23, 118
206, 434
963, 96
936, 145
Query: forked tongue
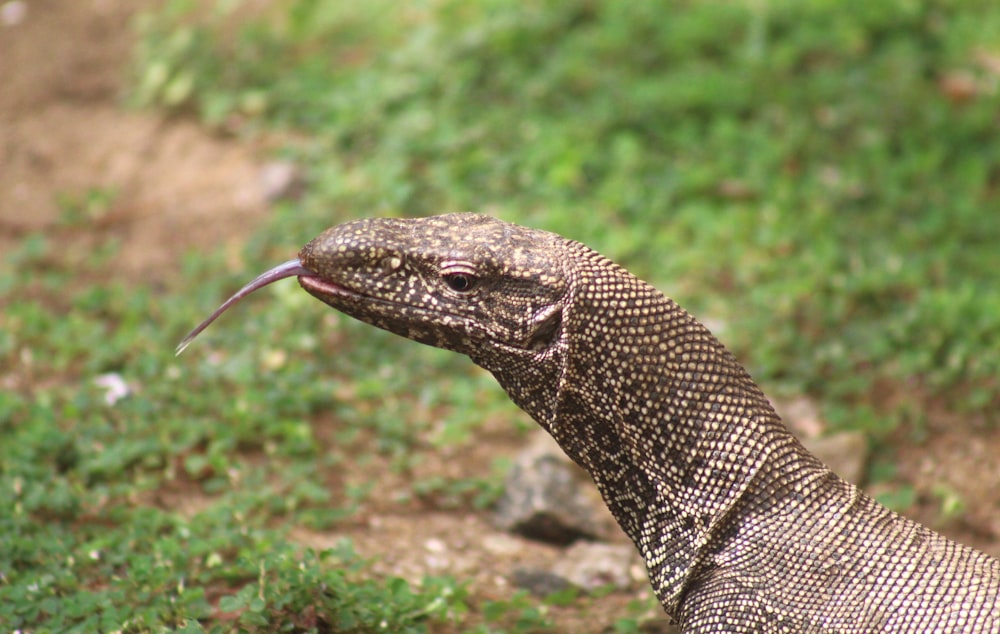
291, 268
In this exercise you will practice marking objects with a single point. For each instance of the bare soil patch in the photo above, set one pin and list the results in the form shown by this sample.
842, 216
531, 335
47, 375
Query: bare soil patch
173, 186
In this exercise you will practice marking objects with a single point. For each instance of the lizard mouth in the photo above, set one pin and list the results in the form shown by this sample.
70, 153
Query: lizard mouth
349, 301
320, 288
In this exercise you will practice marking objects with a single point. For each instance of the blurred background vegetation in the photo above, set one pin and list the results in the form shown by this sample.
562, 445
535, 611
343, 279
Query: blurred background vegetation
818, 180
820, 176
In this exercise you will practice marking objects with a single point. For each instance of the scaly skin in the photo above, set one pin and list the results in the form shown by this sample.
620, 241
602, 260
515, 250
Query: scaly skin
742, 529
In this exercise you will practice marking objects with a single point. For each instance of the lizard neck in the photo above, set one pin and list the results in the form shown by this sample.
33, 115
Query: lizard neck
669, 425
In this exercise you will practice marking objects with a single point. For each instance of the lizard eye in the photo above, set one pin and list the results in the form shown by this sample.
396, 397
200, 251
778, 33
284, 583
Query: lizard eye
460, 282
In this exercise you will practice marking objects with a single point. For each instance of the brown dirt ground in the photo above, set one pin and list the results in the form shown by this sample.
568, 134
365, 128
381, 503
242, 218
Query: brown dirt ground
64, 130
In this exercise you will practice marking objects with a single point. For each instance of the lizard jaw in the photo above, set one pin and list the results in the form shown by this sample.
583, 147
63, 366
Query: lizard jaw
321, 288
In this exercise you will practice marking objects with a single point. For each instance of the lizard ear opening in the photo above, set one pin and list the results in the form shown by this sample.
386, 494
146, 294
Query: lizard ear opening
546, 331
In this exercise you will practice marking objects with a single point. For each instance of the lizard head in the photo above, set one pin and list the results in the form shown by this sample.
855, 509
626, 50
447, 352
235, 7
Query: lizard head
494, 291
464, 282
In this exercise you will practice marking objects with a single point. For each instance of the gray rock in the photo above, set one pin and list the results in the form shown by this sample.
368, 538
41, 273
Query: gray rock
540, 583
550, 499
802, 416
846, 453
591, 566
281, 180
587, 566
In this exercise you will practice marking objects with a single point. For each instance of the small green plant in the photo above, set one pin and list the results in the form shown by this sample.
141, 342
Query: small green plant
477, 493
86, 208
639, 612
899, 499
321, 591
519, 612
950, 502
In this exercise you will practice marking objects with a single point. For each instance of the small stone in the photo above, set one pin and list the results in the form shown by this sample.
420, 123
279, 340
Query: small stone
846, 453
540, 583
802, 416
639, 573
281, 180
591, 566
13, 13
435, 545
436, 563
547, 498
503, 545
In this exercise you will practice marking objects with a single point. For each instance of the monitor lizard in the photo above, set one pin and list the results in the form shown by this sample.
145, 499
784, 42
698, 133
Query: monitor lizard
740, 527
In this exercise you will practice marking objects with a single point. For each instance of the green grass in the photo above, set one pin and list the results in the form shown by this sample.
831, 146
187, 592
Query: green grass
792, 171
